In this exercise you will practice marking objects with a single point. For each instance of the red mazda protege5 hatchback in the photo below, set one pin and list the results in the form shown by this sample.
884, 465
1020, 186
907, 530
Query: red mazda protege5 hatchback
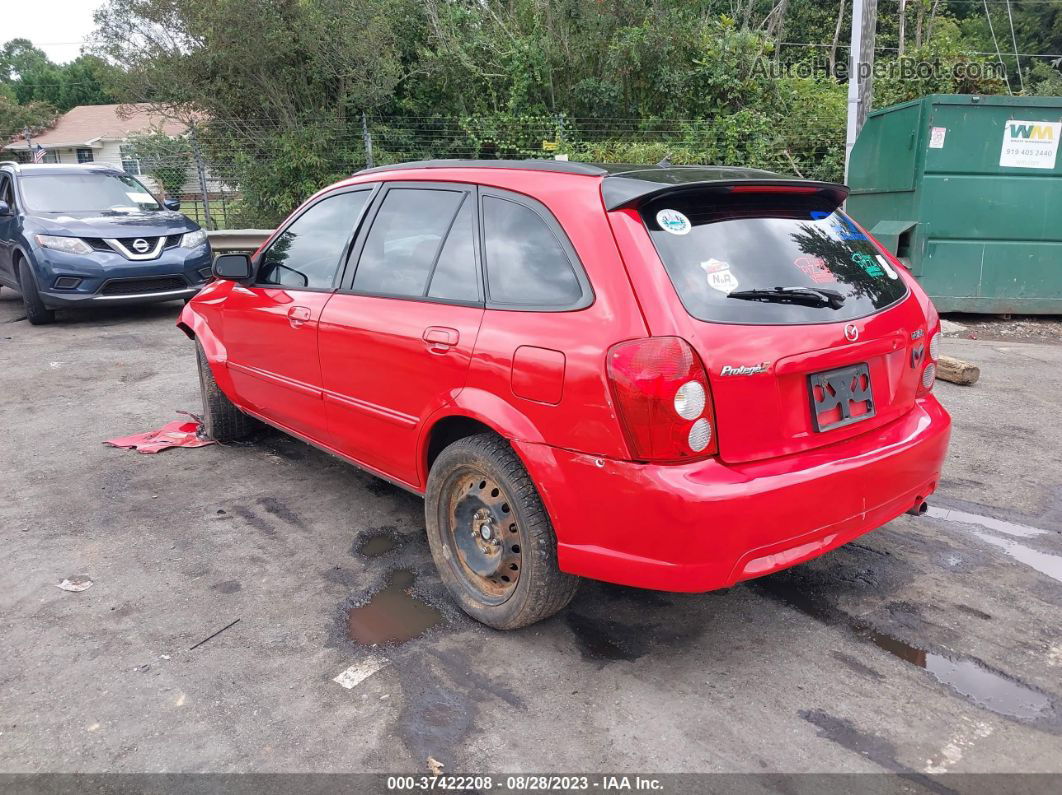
664, 377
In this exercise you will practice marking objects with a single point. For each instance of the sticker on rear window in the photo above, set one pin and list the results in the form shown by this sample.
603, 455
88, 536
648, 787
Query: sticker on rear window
867, 263
674, 222
719, 276
889, 270
815, 268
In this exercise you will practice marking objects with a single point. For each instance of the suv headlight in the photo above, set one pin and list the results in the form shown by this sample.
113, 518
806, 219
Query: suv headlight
193, 239
69, 245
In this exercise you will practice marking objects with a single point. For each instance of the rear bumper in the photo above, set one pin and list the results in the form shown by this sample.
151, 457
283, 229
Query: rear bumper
707, 525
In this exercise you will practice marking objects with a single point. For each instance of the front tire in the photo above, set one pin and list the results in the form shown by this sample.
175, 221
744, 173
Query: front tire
491, 537
36, 312
222, 421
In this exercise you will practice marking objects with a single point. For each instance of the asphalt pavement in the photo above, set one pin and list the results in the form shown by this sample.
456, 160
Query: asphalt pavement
932, 644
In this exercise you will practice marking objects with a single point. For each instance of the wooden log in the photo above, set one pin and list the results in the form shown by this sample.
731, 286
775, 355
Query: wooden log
957, 371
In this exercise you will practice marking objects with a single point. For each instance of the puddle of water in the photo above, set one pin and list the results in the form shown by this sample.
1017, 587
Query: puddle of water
392, 615
1051, 565
375, 546
988, 522
965, 676
989, 689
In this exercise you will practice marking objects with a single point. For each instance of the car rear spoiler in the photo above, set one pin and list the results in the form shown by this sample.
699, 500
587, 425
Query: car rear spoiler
620, 192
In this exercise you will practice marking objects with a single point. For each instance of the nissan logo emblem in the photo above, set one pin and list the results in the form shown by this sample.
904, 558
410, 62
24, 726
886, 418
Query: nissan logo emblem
851, 332
141, 246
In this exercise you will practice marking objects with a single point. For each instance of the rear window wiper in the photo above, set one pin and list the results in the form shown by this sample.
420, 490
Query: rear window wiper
808, 296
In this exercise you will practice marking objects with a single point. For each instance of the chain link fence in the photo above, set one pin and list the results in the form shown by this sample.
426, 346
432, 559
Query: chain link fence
251, 174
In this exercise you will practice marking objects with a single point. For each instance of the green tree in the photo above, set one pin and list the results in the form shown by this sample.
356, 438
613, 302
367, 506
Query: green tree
14, 117
165, 159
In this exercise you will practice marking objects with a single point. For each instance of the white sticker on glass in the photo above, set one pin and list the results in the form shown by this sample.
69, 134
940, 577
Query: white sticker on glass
889, 270
674, 222
719, 276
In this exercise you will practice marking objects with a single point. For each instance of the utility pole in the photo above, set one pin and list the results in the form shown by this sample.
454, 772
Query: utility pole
200, 170
860, 71
366, 138
903, 27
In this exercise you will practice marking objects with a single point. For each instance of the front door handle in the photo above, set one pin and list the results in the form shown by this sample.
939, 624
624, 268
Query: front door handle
440, 339
298, 315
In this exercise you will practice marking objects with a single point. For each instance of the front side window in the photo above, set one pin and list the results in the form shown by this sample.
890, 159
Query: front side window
405, 241
526, 264
770, 258
91, 192
308, 252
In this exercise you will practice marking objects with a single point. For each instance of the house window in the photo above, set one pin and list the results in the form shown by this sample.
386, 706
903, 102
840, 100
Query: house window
84, 155
130, 165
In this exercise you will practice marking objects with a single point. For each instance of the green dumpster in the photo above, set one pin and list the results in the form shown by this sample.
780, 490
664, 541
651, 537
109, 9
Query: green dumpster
967, 191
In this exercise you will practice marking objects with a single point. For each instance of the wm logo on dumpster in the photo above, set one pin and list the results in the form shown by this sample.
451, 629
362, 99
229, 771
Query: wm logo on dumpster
1032, 132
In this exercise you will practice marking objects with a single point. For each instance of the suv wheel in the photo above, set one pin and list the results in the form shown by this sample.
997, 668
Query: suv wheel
491, 537
36, 312
222, 421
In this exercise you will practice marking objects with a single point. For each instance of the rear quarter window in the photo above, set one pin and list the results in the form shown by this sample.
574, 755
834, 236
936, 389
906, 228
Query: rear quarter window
528, 265
714, 245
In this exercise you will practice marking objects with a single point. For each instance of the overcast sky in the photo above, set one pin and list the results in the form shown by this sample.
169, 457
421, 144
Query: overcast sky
59, 27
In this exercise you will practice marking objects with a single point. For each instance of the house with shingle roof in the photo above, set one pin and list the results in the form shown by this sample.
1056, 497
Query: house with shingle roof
97, 134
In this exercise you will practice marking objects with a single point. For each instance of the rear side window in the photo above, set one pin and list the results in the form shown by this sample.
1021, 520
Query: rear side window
526, 263
718, 248
455, 277
405, 241
308, 252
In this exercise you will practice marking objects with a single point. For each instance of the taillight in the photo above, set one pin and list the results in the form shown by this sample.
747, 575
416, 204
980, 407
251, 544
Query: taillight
929, 371
663, 400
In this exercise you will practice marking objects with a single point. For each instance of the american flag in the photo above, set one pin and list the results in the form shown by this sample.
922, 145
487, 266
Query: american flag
38, 153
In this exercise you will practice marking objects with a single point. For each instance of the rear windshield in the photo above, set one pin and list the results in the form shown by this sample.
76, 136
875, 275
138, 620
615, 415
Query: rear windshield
717, 246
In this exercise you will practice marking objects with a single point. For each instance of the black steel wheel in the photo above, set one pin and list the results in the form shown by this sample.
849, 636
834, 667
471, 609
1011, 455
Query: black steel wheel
491, 537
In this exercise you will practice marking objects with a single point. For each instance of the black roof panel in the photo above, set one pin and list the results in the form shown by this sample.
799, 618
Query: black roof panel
627, 184
558, 166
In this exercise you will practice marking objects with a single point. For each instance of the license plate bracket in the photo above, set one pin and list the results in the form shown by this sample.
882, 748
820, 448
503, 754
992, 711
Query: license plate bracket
840, 397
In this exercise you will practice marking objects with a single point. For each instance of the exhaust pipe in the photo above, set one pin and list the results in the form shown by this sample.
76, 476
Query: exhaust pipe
919, 508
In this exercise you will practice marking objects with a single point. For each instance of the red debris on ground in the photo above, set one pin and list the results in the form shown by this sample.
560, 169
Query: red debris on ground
179, 433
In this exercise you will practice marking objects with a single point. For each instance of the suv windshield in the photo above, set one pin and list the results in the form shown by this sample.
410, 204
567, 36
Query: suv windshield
89, 192
719, 246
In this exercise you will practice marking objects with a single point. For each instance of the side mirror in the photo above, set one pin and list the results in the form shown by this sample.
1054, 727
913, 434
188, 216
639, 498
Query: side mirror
5, 208
172, 204
232, 267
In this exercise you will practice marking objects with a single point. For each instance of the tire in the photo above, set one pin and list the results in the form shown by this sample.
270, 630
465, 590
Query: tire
222, 421
36, 312
478, 482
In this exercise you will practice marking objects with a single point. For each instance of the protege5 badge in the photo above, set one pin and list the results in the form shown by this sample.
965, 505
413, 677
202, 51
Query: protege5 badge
745, 369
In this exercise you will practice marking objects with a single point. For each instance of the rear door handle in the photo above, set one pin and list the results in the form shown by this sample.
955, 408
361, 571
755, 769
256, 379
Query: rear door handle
440, 339
298, 315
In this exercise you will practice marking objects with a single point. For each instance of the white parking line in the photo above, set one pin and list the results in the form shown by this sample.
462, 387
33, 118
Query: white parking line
360, 671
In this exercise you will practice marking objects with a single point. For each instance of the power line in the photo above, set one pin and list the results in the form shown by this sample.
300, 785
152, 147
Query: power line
894, 49
1014, 38
995, 42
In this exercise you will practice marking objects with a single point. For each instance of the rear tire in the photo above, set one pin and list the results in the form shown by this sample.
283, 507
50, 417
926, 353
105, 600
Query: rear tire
487, 527
222, 421
36, 312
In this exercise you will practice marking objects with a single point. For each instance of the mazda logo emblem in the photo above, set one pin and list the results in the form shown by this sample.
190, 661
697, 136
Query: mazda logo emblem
141, 246
851, 332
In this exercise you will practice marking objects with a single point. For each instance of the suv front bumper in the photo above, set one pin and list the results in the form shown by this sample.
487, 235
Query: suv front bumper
108, 279
707, 525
